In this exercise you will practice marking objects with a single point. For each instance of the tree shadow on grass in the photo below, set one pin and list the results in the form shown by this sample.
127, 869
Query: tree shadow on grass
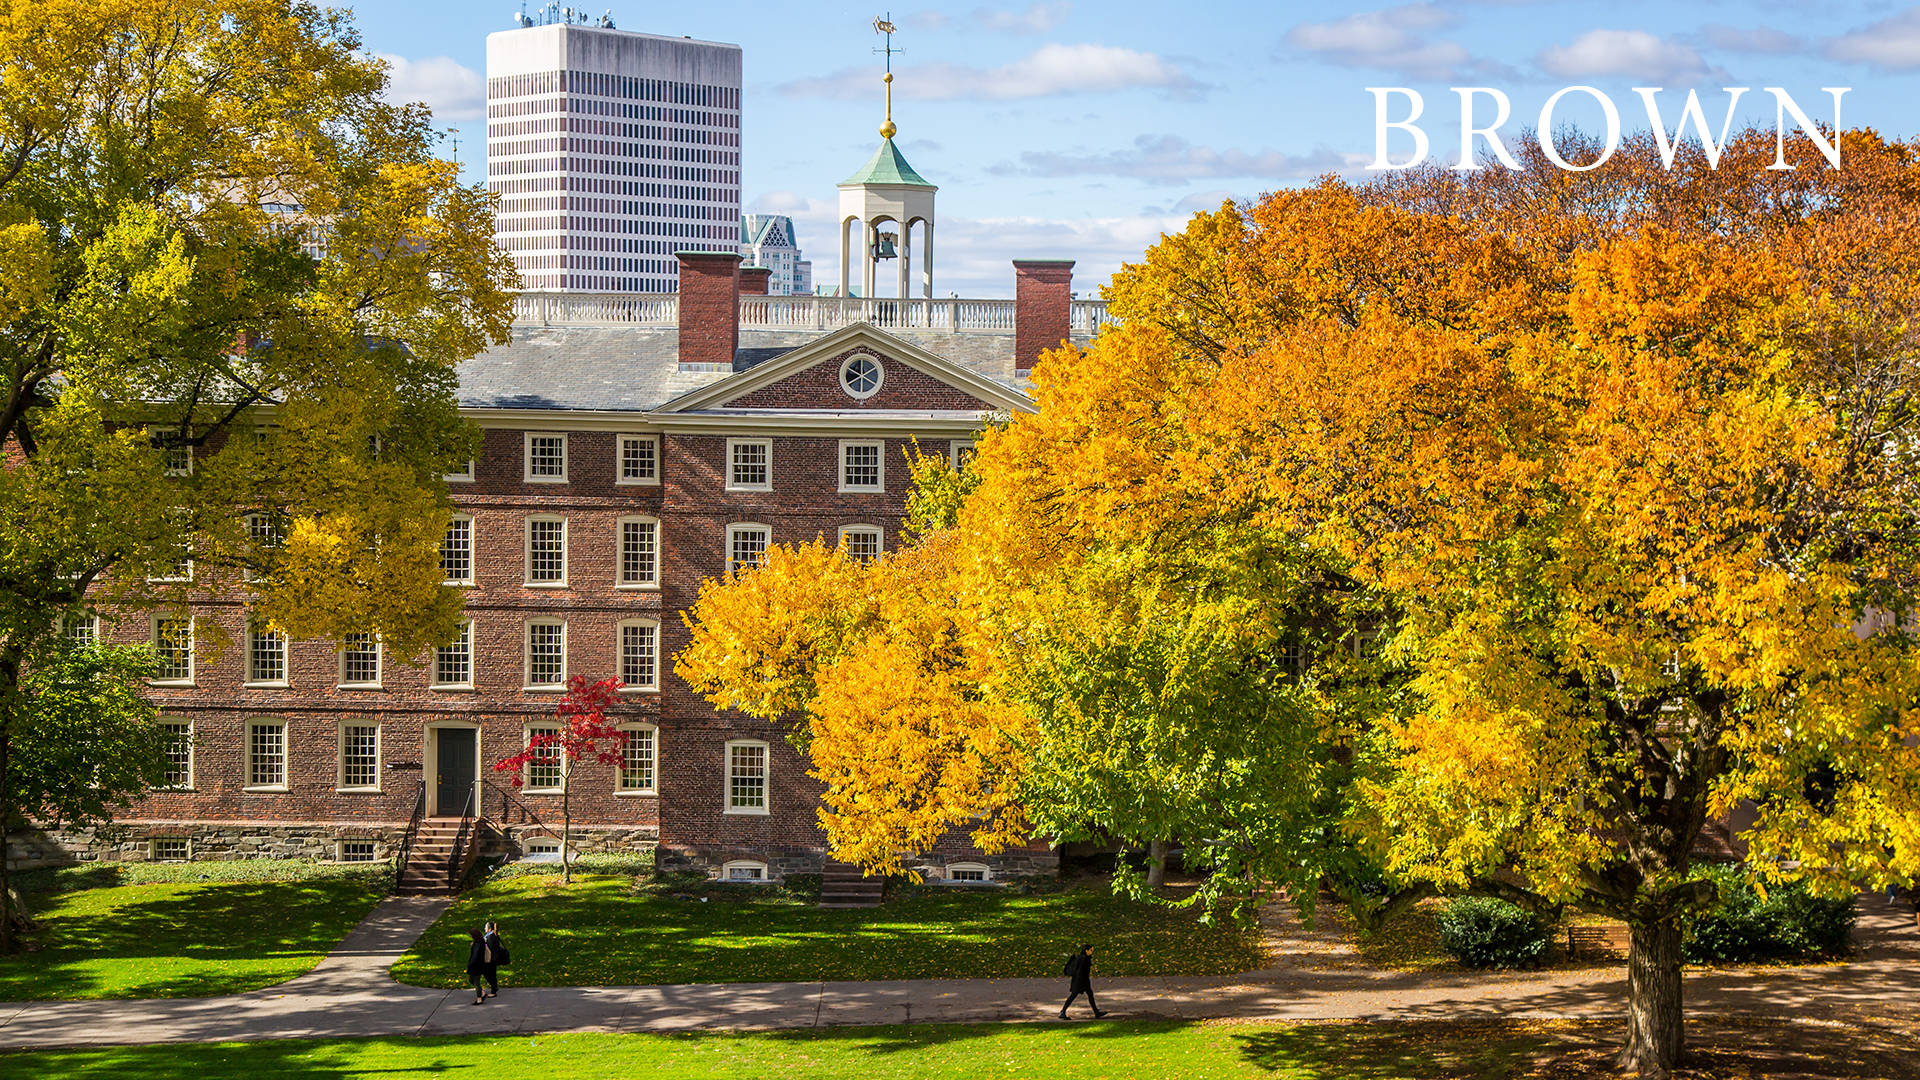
1375, 1051
97, 943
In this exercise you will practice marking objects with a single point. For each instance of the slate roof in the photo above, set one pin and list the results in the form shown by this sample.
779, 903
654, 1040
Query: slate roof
613, 369
887, 166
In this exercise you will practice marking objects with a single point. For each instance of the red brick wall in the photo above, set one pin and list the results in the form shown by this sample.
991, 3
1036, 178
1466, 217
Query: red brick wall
1043, 296
818, 387
709, 307
754, 280
694, 510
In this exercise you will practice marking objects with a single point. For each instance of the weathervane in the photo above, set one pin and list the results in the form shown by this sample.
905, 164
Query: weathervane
883, 24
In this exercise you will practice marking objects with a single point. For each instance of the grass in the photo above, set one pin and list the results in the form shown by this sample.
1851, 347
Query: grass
603, 930
1110, 1050
183, 938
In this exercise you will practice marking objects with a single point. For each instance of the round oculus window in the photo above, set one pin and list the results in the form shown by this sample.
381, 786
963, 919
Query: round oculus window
861, 376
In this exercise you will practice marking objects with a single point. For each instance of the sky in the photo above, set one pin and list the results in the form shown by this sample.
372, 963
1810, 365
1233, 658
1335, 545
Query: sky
1083, 130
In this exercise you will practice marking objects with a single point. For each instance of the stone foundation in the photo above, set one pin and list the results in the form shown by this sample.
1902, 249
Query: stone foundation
586, 839
134, 841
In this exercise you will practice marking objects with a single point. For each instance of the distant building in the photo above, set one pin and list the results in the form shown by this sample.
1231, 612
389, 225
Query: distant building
768, 240
611, 151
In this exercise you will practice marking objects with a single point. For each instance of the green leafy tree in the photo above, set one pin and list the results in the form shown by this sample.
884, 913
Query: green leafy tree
235, 284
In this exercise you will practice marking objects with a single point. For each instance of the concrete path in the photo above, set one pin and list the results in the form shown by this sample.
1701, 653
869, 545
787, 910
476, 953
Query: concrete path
349, 995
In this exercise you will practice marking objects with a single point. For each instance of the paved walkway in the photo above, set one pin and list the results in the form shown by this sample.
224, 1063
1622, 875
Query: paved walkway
350, 994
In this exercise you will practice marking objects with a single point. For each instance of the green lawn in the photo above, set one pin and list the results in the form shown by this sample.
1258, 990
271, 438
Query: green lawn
184, 938
604, 931
1134, 1050
1092, 1050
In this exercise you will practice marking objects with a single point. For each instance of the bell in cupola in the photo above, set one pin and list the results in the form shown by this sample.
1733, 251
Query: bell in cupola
883, 246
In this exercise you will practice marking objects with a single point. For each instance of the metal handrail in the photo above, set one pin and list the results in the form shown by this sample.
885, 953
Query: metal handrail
413, 826
457, 859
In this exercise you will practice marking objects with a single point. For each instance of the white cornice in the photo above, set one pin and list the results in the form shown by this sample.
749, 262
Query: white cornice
771, 421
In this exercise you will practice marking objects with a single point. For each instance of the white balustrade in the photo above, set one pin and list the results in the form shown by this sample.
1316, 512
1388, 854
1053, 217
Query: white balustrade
955, 315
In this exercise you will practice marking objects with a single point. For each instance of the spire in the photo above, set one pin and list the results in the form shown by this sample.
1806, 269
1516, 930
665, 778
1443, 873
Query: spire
883, 24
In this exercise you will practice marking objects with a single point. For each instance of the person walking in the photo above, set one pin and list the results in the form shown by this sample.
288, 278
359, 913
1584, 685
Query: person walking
477, 965
1079, 975
496, 952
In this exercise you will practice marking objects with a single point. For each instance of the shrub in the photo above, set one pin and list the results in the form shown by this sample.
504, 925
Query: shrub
1482, 932
98, 875
1789, 922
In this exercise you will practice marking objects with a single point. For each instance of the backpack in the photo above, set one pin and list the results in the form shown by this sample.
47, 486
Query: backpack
501, 957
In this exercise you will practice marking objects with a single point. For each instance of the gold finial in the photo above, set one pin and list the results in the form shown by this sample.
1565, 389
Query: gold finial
883, 24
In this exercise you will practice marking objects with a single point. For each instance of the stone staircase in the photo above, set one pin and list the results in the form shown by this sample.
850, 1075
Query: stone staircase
440, 857
842, 886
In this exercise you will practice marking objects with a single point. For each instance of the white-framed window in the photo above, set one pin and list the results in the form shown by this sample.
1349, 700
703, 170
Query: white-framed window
546, 552
464, 476
181, 569
969, 872
745, 872
862, 465
546, 654
360, 661
746, 777
178, 458
546, 457
960, 455
861, 376
639, 553
456, 551
639, 760
173, 641
749, 464
169, 849
355, 851
640, 654
453, 662
266, 656
543, 772
264, 535
359, 756
639, 459
863, 542
82, 629
179, 753
267, 755
746, 545
542, 845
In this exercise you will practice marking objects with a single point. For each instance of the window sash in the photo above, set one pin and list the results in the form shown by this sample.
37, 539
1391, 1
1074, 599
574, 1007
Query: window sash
173, 640
637, 761
546, 654
266, 656
546, 550
640, 655
179, 753
639, 459
266, 755
751, 463
746, 547
547, 456
860, 466
746, 776
456, 551
360, 756
543, 772
862, 542
360, 660
453, 662
639, 552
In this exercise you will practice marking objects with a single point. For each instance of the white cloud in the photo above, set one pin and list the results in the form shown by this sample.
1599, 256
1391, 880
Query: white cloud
1892, 43
1170, 159
452, 90
1631, 54
1037, 18
974, 256
1394, 39
1050, 70
1757, 39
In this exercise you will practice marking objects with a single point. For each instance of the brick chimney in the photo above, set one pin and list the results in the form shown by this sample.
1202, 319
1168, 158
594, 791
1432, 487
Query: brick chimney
709, 306
754, 280
1042, 293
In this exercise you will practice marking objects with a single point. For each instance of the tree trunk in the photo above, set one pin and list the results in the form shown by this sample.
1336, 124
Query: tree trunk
566, 828
1156, 863
6, 830
1653, 999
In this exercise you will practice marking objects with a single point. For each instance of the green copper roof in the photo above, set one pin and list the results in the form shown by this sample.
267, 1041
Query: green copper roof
887, 167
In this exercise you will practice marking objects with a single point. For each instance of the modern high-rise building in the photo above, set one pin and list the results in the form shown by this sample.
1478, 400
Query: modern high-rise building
610, 151
768, 240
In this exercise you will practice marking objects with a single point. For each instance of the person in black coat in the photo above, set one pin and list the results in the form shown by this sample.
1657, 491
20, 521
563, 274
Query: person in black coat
477, 965
491, 939
1079, 974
